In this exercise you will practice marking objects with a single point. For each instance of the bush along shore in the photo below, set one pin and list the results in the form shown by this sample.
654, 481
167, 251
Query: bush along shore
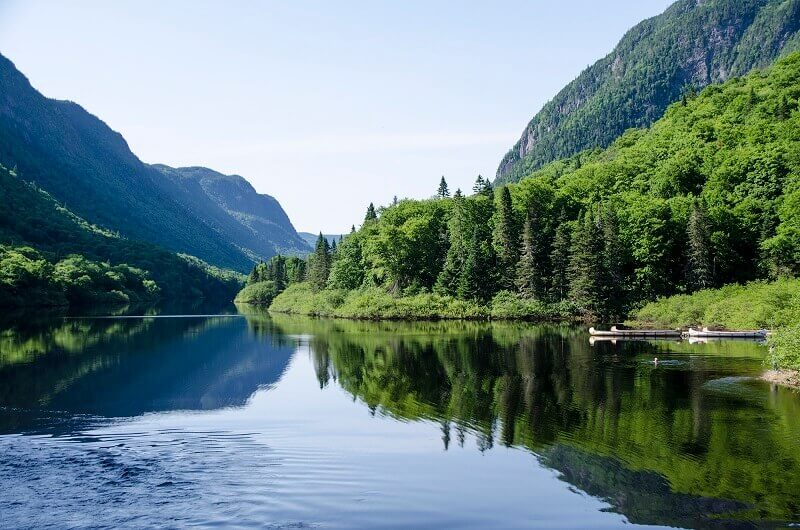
756, 305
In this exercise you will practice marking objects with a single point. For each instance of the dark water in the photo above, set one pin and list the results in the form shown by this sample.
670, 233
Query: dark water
246, 420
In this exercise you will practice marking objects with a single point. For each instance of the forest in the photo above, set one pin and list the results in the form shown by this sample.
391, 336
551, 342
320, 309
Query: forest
52, 257
708, 195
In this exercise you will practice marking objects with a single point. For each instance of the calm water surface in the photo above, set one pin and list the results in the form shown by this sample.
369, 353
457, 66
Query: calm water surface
250, 420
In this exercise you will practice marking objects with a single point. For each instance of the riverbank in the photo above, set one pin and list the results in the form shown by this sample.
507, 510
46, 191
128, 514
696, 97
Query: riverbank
757, 305
377, 304
790, 378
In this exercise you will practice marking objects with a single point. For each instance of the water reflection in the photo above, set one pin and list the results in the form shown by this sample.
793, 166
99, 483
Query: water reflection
73, 370
692, 442
662, 444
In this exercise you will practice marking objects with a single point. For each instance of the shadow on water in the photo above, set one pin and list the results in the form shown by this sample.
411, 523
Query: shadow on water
660, 444
61, 375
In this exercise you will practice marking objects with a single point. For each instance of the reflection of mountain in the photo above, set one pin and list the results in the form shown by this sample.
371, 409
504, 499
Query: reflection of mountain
126, 367
644, 497
603, 416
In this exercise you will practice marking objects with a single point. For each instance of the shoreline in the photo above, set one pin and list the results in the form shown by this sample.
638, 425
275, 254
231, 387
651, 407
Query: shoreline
784, 377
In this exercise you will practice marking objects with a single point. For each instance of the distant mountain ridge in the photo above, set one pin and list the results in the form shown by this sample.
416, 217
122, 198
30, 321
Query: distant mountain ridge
254, 222
89, 168
694, 42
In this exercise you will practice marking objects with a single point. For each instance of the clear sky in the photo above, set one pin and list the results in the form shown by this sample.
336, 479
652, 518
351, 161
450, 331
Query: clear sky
326, 105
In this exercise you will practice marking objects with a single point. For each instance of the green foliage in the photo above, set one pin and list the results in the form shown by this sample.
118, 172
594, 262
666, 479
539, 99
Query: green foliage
319, 263
93, 265
258, 293
28, 279
785, 348
709, 195
655, 64
754, 305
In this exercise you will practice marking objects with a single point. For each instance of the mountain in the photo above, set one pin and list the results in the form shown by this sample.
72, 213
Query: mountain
39, 239
89, 168
692, 44
256, 223
311, 239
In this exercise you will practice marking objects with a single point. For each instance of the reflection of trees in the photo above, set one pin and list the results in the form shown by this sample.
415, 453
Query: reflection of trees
544, 387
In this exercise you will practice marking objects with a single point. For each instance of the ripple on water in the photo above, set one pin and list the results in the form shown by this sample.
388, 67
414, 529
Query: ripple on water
116, 479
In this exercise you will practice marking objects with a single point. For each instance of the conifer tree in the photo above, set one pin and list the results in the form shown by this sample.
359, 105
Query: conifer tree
531, 277
319, 263
371, 215
458, 193
478, 186
279, 273
612, 273
476, 282
506, 241
699, 270
559, 261
586, 264
450, 276
443, 192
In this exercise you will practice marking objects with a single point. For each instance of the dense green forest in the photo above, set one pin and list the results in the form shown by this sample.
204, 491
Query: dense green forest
691, 45
50, 256
709, 195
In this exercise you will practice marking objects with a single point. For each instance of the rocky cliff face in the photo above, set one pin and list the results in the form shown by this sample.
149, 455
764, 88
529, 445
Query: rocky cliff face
692, 44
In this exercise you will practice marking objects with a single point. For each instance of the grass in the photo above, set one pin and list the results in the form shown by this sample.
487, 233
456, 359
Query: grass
771, 305
377, 304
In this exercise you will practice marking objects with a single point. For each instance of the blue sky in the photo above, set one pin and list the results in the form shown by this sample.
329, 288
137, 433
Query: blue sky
325, 105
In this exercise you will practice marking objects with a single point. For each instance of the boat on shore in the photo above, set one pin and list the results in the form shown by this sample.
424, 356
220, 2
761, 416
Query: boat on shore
745, 334
649, 333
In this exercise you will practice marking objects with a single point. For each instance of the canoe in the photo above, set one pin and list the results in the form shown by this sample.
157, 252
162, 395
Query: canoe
746, 334
614, 332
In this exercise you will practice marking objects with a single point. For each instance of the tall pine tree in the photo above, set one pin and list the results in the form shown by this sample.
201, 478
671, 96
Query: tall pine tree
531, 271
319, 263
559, 261
506, 241
586, 265
371, 215
443, 192
612, 274
699, 268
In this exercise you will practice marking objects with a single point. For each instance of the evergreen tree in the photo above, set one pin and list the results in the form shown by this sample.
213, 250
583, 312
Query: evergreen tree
559, 261
476, 281
458, 194
531, 279
506, 241
371, 215
443, 192
612, 273
450, 276
699, 270
586, 265
478, 186
279, 273
319, 263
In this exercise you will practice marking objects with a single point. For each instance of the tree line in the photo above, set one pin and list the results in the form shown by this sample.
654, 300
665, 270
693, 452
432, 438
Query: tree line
707, 196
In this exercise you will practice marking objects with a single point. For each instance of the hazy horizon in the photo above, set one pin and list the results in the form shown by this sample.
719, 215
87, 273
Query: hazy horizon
315, 101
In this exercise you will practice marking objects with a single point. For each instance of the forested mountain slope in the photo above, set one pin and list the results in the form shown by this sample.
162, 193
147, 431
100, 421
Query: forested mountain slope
708, 195
89, 168
50, 256
254, 222
692, 44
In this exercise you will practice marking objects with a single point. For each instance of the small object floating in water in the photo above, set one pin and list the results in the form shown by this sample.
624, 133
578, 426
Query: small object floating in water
614, 332
706, 333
